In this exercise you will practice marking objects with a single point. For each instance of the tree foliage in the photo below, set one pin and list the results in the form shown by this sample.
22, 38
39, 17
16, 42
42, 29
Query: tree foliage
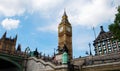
115, 27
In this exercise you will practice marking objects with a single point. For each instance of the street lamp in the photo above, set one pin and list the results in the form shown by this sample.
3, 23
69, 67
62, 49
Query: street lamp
90, 48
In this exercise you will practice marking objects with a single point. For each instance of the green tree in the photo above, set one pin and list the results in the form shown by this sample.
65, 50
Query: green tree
115, 27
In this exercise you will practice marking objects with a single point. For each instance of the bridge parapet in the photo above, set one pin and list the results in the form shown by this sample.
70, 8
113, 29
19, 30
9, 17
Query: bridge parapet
102, 59
15, 53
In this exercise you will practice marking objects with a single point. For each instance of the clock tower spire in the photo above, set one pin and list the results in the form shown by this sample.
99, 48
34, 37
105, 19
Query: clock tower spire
65, 35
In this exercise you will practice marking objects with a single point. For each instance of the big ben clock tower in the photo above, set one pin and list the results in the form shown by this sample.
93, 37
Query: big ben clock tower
65, 35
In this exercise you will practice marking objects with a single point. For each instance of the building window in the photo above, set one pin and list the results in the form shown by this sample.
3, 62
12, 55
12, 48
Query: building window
115, 49
100, 49
114, 45
109, 46
98, 44
96, 51
119, 45
108, 41
104, 48
109, 50
103, 43
105, 51
100, 52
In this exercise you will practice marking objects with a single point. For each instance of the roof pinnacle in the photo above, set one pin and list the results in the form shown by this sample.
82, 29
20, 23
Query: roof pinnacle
64, 17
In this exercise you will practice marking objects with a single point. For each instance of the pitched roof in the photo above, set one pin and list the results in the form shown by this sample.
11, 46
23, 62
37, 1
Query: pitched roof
103, 35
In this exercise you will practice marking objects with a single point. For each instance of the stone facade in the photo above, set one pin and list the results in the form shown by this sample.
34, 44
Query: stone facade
34, 64
109, 62
8, 44
115, 66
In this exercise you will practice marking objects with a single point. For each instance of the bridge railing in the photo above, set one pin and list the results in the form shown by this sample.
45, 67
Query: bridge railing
14, 53
93, 60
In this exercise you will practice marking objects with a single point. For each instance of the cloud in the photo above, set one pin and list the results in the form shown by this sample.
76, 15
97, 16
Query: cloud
45, 5
12, 7
19, 7
91, 12
9, 24
80, 12
87, 13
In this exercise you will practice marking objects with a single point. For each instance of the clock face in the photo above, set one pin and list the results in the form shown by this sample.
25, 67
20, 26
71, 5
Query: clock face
61, 29
68, 29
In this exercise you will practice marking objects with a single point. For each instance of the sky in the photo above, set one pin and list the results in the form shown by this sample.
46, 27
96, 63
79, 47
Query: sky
36, 22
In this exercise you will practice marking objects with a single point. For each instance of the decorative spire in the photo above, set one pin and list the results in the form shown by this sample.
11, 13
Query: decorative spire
64, 17
4, 35
102, 30
19, 47
15, 38
36, 52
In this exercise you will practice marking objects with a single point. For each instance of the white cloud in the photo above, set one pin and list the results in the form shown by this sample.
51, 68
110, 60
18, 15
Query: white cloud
9, 24
45, 5
80, 12
19, 7
12, 7
91, 12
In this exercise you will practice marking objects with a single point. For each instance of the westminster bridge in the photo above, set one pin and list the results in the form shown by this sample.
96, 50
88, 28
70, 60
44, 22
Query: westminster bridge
11, 61
20, 61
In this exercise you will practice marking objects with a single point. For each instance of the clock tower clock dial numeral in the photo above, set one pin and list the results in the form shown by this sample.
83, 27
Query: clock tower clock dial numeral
61, 29
68, 29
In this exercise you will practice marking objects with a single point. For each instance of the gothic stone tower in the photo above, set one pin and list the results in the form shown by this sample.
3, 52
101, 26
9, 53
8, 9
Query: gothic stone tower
65, 35
8, 44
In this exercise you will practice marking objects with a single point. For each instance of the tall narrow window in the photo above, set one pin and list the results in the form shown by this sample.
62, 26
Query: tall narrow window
114, 46
119, 45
